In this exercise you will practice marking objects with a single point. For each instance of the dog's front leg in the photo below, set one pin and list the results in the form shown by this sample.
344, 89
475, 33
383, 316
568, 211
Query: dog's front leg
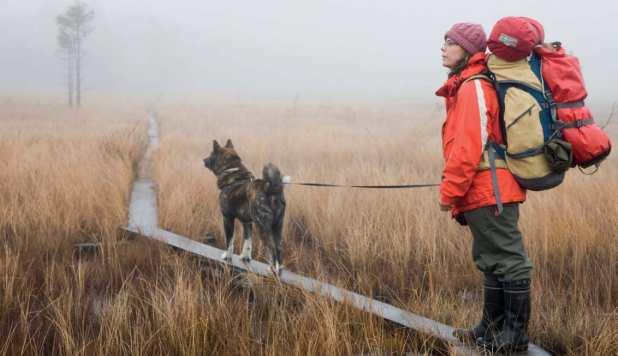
278, 258
247, 245
228, 226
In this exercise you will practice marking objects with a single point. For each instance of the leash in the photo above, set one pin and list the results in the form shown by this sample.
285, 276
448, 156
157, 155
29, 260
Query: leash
364, 186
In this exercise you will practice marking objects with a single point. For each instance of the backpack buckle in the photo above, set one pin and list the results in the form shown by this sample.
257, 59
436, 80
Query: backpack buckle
580, 123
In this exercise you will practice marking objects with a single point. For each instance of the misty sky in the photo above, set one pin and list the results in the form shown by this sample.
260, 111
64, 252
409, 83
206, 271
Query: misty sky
278, 49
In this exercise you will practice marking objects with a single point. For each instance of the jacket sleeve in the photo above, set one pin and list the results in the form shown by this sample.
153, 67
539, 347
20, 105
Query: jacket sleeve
470, 127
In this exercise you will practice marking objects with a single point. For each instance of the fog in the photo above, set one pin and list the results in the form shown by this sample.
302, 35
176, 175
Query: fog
319, 49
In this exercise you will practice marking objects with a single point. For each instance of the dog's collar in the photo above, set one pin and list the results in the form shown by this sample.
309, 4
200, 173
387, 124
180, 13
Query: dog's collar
230, 170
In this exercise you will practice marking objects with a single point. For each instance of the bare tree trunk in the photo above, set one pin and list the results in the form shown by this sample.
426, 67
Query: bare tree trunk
73, 27
78, 83
78, 78
70, 79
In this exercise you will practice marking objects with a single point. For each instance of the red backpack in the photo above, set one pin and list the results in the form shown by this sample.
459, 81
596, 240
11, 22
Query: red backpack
515, 38
563, 77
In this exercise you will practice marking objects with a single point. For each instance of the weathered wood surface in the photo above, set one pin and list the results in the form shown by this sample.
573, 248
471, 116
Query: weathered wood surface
375, 307
143, 206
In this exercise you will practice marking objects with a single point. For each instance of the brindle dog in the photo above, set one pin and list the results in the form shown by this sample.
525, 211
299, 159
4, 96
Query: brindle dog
249, 200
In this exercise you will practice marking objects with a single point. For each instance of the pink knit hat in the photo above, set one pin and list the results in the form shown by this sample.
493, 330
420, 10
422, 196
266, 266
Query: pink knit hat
469, 36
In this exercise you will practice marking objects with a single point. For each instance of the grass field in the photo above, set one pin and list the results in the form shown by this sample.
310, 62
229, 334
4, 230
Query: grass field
66, 176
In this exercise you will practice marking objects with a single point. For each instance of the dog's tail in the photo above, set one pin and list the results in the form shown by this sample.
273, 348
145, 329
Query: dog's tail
272, 177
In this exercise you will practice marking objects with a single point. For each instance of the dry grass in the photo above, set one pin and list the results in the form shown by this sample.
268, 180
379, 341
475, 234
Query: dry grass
66, 177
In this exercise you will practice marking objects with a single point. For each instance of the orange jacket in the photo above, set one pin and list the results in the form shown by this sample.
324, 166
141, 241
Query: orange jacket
472, 117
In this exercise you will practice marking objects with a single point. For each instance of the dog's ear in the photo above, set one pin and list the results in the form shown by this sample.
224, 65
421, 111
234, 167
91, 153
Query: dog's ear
215, 145
229, 144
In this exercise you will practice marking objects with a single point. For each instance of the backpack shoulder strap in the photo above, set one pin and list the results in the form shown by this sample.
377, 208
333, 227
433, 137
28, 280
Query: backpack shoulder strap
490, 147
479, 76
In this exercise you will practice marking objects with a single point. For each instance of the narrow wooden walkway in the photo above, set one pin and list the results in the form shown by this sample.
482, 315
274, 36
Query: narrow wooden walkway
143, 221
143, 206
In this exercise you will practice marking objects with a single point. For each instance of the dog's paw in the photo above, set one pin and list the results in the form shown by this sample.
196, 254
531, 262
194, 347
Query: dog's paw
277, 269
246, 253
226, 256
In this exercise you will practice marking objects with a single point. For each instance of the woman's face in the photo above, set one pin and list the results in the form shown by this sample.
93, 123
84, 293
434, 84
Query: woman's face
452, 53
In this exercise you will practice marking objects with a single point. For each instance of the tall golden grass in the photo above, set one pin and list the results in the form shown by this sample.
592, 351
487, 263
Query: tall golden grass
66, 176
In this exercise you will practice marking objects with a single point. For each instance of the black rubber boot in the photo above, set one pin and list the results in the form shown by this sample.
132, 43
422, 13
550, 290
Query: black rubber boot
493, 313
514, 334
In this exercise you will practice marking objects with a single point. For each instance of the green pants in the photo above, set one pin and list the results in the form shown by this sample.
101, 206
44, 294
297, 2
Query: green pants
497, 246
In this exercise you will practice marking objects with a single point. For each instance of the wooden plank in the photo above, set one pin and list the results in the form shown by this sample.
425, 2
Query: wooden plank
143, 205
375, 307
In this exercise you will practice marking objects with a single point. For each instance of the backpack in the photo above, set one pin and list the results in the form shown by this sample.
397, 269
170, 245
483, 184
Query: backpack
535, 151
513, 39
563, 77
545, 123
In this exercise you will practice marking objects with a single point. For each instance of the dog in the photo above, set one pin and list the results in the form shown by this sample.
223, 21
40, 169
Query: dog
258, 202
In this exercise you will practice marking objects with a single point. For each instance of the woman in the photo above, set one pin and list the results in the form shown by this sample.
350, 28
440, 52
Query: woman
469, 193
